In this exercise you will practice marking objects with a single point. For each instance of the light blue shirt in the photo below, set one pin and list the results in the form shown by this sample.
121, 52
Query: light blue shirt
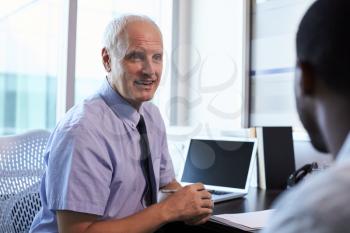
93, 160
320, 204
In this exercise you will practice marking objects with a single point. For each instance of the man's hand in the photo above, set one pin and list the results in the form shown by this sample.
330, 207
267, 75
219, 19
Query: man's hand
191, 204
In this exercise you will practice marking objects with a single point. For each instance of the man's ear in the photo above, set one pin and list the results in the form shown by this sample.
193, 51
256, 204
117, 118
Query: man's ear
307, 78
106, 60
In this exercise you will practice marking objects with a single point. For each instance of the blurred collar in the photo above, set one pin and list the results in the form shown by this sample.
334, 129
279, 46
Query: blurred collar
344, 153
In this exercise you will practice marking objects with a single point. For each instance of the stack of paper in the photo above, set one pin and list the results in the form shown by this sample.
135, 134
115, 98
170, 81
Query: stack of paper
250, 221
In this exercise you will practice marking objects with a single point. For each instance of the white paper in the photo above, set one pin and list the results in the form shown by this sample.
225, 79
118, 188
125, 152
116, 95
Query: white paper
250, 221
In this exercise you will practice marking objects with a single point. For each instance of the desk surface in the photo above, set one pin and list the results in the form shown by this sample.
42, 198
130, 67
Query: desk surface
255, 200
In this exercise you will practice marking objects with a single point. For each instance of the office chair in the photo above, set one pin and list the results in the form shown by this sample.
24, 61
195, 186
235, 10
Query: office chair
21, 169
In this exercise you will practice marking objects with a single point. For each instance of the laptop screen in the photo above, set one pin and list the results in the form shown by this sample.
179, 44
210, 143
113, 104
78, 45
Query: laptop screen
219, 163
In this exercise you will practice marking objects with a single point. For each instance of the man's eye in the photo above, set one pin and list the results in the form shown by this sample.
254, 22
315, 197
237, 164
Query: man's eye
158, 57
135, 56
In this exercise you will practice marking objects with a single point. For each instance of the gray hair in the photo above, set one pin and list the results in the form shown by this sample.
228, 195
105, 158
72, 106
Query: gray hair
113, 39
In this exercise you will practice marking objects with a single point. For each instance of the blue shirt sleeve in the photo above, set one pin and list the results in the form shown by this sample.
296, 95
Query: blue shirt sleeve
79, 172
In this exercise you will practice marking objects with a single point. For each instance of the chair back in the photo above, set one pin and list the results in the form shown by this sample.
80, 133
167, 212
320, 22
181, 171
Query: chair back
21, 169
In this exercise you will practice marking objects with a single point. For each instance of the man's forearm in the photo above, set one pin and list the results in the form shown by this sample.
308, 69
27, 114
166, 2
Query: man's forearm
189, 203
147, 220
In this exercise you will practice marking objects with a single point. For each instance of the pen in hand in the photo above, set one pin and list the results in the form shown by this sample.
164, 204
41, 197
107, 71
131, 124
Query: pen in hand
168, 190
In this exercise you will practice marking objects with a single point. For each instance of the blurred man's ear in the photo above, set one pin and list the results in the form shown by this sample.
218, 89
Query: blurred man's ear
307, 78
106, 59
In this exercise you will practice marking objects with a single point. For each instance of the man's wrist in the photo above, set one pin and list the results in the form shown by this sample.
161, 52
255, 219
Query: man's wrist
165, 213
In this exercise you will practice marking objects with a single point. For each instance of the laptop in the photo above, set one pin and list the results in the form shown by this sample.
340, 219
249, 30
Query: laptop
224, 166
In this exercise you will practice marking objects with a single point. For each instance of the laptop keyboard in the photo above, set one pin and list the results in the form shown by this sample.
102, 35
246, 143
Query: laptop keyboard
215, 192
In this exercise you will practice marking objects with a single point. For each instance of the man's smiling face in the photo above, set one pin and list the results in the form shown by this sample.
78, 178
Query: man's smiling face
137, 74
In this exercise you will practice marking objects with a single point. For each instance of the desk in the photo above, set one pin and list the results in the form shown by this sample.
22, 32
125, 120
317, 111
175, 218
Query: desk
255, 200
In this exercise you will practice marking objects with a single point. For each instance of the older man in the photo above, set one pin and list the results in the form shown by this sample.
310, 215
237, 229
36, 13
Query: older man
108, 157
322, 203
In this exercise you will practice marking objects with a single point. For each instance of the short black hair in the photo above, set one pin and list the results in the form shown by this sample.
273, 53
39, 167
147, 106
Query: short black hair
323, 41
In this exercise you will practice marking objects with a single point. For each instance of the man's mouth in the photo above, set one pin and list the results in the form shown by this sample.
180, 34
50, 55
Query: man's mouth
144, 82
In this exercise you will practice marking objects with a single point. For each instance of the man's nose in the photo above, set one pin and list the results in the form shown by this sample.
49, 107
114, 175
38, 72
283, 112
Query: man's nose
148, 68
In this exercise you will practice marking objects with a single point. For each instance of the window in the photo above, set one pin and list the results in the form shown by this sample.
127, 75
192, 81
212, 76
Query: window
209, 82
29, 56
202, 74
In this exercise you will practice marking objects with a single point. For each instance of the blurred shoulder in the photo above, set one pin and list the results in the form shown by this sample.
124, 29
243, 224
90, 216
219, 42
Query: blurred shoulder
316, 205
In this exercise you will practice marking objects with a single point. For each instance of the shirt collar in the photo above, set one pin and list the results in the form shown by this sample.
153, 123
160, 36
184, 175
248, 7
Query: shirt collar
344, 153
127, 113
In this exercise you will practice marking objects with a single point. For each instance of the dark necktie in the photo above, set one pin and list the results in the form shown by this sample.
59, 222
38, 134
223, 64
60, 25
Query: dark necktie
150, 192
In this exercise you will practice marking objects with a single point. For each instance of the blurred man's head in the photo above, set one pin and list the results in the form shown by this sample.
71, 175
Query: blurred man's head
133, 57
323, 59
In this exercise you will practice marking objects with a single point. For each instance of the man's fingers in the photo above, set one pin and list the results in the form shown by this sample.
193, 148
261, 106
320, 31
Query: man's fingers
199, 186
205, 211
205, 194
207, 203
